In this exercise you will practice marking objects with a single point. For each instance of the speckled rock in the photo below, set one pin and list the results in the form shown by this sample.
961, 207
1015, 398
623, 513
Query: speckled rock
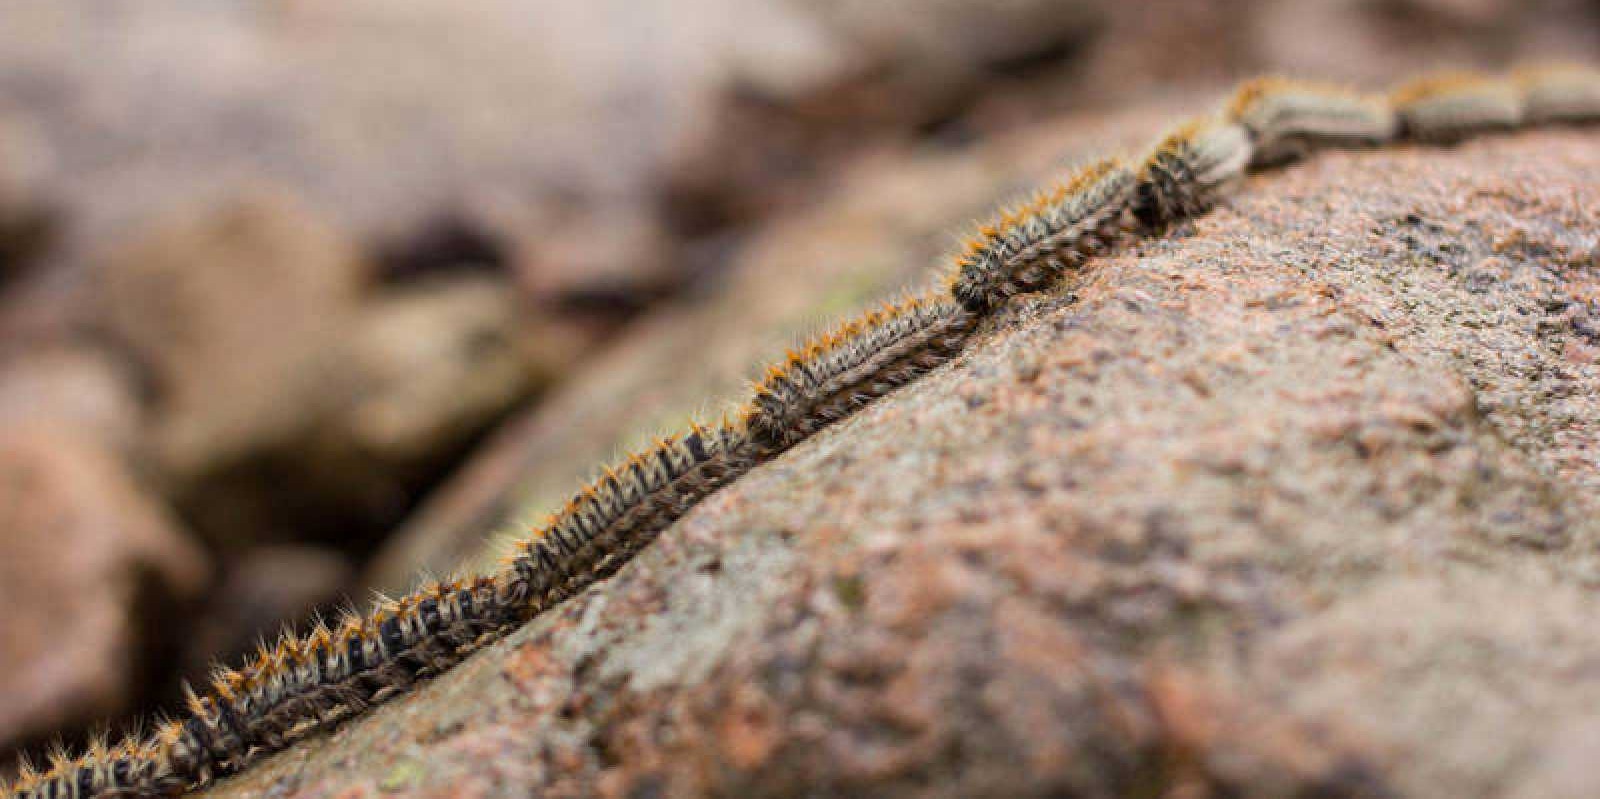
1295, 500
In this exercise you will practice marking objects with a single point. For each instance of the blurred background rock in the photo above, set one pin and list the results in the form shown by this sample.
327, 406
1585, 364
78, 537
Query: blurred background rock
289, 289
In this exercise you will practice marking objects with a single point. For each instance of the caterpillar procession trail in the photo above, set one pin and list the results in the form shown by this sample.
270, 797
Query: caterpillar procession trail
307, 682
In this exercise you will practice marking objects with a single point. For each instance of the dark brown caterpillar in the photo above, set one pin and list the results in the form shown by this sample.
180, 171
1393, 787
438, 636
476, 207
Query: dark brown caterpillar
1033, 244
843, 370
306, 683
620, 513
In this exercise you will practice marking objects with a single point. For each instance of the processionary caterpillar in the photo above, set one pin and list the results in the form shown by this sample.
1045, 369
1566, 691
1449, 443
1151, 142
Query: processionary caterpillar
1288, 119
1448, 108
1558, 93
1031, 245
843, 370
308, 682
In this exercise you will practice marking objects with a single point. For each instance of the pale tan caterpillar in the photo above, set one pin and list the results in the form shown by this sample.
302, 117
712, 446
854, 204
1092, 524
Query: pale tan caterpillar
305, 683
1559, 94
1288, 118
1450, 107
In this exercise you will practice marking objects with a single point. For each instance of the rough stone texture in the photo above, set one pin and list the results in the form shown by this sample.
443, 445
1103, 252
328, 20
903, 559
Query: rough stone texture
78, 532
1296, 500
592, 157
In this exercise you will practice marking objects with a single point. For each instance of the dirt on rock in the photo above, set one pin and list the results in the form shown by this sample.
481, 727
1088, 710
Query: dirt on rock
1294, 500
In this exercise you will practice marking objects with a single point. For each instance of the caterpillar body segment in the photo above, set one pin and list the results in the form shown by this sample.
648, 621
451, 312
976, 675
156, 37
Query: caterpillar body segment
1288, 119
839, 372
303, 684
1559, 94
1030, 246
1189, 169
365, 659
284, 693
103, 770
620, 513
1448, 108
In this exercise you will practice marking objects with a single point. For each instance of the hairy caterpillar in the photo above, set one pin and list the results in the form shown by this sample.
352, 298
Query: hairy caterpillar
1562, 93
1189, 169
1288, 119
1450, 107
305, 683
616, 516
1032, 244
847, 368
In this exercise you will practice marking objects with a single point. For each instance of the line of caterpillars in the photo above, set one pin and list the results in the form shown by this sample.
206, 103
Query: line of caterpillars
310, 681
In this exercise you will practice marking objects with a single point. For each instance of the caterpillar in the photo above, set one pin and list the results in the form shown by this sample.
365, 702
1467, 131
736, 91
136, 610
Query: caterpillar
1287, 119
1450, 107
1189, 169
625, 509
1032, 244
1559, 94
307, 682
860, 361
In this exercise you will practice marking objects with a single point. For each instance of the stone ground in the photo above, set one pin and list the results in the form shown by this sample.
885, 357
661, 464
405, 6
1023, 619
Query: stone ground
1297, 500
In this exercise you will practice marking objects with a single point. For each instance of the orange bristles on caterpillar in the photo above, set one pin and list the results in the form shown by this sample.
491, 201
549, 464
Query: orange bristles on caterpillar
1288, 118
283, 693
1032, 244
1449, 108
619, 513
1189, 169
103, 770
1559, 94
863, 359
306, 683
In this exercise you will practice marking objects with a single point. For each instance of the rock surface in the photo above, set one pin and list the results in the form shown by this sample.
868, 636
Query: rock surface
230, 310
1296, 500
78, 530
